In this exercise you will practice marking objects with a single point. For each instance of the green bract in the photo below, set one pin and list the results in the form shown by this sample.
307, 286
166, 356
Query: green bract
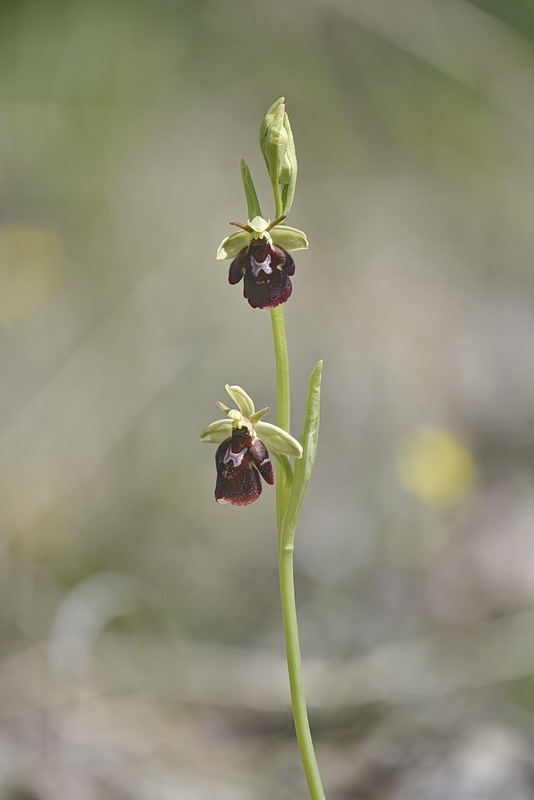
275, 439
259, 228
253, 204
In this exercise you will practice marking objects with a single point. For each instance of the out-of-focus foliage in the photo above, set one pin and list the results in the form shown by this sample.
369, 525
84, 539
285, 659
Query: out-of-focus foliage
140, 637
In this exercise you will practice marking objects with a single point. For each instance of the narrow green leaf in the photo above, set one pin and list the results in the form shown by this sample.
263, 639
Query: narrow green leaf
304, 467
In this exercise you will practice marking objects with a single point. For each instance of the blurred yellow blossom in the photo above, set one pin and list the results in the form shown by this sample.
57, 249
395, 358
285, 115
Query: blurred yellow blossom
436, 466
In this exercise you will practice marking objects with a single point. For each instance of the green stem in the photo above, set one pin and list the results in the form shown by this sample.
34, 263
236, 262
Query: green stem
294, 666
281, 355
282, 367
286, 535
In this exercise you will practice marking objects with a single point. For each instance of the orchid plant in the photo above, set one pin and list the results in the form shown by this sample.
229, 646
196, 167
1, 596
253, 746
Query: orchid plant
260, 255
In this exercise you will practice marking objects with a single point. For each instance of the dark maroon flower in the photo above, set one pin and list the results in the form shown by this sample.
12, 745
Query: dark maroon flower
240, 460
265, 269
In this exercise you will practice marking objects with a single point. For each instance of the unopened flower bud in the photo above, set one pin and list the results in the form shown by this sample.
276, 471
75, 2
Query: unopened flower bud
278, 148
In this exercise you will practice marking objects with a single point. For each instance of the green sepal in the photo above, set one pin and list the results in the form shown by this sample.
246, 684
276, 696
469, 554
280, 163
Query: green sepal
217, 431
277, 440
231, 246
304, 467
253, 204
289, 238
242, 400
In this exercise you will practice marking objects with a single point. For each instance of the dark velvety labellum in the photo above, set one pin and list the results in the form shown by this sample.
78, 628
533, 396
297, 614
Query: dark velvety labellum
265, 270
240, 460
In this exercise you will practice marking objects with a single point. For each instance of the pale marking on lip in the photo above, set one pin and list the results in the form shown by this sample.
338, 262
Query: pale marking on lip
235, 458
256, 266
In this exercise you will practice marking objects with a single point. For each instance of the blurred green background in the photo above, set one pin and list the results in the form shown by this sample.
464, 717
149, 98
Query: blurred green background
141, 645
